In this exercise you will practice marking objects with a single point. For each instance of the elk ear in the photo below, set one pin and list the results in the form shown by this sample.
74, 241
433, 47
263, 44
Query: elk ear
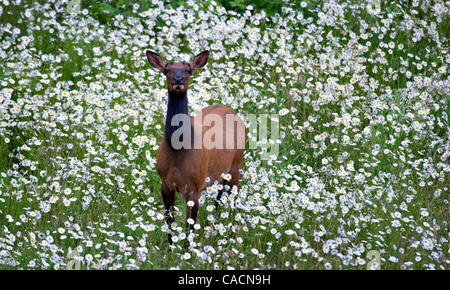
155, 60
200, 60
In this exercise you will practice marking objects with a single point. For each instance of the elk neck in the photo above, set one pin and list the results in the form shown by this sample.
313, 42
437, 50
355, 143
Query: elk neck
177, 104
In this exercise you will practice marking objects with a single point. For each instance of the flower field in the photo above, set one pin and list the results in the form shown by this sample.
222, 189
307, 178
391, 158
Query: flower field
360, 179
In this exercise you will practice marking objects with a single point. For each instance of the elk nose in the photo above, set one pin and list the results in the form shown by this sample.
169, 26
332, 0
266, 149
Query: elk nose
177, 79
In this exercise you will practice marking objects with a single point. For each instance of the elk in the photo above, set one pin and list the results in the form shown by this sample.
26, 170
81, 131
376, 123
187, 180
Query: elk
191, 169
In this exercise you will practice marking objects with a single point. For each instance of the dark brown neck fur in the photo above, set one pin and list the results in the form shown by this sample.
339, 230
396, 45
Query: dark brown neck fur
177, 104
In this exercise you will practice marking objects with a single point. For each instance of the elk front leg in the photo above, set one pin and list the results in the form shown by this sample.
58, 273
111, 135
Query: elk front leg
169, 202
191, 212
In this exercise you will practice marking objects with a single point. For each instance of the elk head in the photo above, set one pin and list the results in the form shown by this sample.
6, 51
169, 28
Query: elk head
177, 73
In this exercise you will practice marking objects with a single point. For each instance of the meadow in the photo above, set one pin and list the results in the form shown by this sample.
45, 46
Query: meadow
360, 180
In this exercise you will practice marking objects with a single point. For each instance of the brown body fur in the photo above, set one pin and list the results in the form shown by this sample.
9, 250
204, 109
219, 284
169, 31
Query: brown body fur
185, 170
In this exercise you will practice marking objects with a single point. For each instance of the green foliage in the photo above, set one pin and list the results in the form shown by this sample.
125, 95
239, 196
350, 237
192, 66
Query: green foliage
104, 11
271, 7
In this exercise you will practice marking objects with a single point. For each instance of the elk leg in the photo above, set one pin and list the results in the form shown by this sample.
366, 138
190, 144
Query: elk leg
235, 177
191, 211
221, 191
236, 169
169, 202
